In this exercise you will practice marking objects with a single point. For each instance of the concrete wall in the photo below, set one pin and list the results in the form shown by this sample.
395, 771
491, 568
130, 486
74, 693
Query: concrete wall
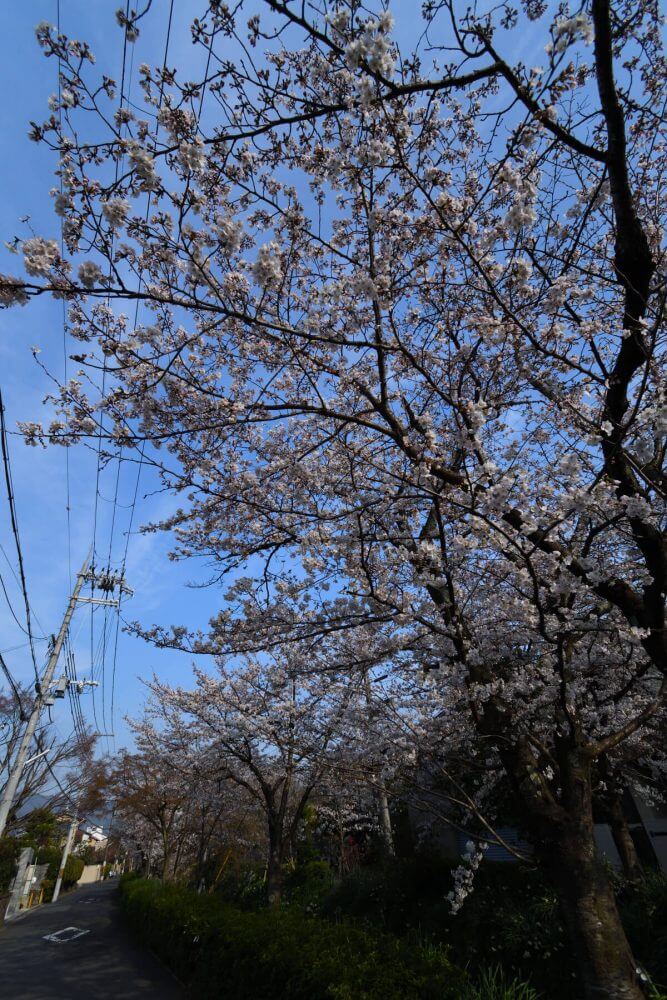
91, 873
654, 818
605, 845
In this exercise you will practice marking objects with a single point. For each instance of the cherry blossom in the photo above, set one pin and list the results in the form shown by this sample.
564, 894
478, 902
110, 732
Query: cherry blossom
401, 352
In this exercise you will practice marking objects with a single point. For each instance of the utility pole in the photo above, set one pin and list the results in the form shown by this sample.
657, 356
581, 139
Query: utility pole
63, 861
42, 695
106, 582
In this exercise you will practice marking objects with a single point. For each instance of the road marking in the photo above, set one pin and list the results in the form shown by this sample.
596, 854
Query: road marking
65, 935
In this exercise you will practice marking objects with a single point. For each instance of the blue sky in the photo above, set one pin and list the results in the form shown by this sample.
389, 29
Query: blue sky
40, 479
40, 476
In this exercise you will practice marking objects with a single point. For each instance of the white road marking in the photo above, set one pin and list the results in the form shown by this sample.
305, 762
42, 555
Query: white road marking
65, 935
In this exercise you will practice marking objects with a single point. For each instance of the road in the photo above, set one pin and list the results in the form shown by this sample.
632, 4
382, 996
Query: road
102, 963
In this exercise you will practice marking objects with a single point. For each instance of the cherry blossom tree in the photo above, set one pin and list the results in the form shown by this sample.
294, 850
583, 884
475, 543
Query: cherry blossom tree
266, 728
405, 325
344, 818
172, 807
151, 800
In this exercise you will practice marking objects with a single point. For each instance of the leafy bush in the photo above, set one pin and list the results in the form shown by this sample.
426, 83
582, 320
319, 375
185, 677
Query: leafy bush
41, 829
51, 856
305, 885
643, 907
510, 918
281, 954
73, 871
89, 854
308, 885
398, 895
9, 851
243, 886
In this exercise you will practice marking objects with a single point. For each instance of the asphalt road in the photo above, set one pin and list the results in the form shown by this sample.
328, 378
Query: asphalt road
103, 963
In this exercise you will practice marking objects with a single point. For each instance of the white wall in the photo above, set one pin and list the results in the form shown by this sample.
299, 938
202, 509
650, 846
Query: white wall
91, 873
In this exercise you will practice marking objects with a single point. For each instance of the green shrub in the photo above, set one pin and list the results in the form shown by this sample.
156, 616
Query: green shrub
643, 907
73, 871
398, 895
305, 885
308, 885
41, 829
9, 852
216, 949
243, 886
52, 856
511, 917
89, 854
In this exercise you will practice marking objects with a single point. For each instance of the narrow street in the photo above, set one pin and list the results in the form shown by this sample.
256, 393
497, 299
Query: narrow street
90, 954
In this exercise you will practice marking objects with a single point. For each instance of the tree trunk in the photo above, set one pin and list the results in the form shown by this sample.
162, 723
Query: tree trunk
385, 820
292, 847
562, 829
274, 881
604, 960
165, 867
165, 854
177, 859
274, 873
623, 840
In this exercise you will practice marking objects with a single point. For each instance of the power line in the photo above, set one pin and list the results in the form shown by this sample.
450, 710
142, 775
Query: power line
14, 738
101, 428
12, 683
62, 790
92, 662
108, 727
64, 311
73, 691
11, 608
15, 530
21, 645
36, 638
136, 318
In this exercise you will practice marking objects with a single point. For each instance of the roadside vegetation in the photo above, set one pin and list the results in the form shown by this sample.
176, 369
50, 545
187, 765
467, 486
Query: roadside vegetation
507, 942
42, 831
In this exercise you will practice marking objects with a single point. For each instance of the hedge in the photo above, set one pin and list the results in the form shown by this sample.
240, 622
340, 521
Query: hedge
52, 857
221, 951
